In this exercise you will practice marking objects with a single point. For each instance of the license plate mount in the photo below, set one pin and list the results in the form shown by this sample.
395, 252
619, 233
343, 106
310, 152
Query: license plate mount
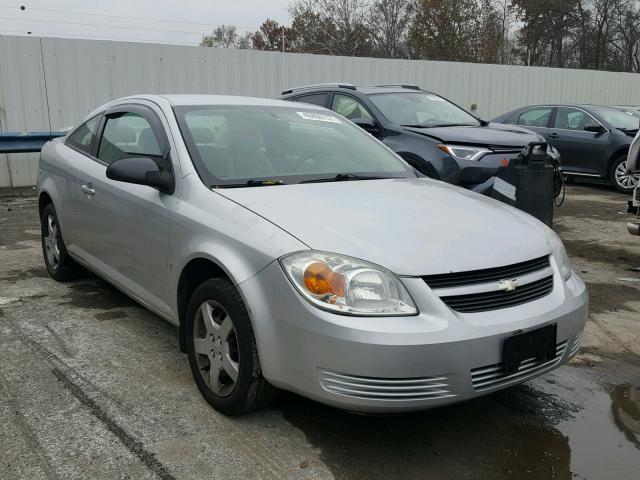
539, 344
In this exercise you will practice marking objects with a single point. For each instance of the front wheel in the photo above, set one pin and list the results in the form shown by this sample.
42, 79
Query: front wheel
620, 179
56, 258
222, 350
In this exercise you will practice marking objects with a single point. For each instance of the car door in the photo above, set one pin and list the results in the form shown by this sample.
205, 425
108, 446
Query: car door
125, 226
582, 152
536, 119
77, 146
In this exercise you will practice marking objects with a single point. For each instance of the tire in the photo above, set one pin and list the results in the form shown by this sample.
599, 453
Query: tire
219, 335
59, 264
619, 179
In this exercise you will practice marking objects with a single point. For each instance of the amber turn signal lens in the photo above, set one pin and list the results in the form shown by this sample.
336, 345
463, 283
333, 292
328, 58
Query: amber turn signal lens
321, 280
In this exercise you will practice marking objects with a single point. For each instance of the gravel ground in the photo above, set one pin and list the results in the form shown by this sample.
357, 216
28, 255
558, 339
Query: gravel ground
93, 386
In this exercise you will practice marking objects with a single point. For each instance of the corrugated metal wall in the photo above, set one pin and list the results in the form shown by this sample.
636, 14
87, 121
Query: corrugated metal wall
51, 83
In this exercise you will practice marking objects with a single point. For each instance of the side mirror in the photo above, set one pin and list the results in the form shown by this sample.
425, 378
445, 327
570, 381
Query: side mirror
595, 128
141, 171
367, 125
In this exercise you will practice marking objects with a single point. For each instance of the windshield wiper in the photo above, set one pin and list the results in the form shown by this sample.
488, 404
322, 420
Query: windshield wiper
342, 177
250, 183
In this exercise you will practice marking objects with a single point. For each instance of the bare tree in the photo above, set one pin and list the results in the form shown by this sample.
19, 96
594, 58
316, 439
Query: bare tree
506, 14
245, 41
223, 36
389, 22
340, 26
626, 35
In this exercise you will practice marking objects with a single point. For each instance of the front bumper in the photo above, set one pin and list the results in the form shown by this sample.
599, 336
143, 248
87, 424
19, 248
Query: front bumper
395, 364
471, 173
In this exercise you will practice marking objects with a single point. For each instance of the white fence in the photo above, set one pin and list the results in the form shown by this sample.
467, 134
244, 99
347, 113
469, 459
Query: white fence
49, 83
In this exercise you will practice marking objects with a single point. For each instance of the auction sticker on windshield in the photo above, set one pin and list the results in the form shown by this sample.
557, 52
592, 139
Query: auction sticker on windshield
318, 117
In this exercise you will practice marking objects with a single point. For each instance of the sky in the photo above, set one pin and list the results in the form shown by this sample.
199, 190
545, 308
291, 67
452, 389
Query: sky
158, 21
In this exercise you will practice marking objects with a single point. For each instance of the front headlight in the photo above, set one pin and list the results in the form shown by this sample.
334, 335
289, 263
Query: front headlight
463, 152
347, 285
559, 253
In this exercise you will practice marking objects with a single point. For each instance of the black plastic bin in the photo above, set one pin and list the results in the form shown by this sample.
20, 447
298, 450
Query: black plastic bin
528, 183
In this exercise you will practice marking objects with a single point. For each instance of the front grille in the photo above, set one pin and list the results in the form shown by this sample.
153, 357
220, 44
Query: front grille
449, 280
493, 376
397, 389
496, 299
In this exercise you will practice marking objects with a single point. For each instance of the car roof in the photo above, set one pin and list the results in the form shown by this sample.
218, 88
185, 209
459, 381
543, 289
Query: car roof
558, 104
368, 90
346, 87
190, 99
185, 99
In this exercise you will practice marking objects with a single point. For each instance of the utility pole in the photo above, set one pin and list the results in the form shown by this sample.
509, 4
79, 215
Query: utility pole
283, 39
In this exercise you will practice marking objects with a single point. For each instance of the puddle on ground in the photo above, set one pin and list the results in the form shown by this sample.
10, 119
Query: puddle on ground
519, 433
96, 294
609, 297
604, 435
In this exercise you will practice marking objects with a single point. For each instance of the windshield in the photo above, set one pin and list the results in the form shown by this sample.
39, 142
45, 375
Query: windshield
419, 109
622, 119
232, 145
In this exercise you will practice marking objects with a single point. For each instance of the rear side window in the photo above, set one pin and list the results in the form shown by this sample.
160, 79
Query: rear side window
349, 107
129, 135
568, 118
83, 137
319, 99
535, 117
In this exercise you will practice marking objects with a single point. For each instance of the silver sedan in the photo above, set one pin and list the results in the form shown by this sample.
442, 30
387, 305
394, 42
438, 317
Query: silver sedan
293, 250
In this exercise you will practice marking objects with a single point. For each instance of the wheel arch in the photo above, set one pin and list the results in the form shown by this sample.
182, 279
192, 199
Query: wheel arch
421, 164
44, 199
615, 156
195, 272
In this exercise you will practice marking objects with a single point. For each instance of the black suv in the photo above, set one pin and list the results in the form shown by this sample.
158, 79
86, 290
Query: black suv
434, 135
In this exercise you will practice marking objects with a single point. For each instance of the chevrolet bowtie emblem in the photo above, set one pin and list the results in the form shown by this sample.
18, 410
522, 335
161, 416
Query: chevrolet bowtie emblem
508, 285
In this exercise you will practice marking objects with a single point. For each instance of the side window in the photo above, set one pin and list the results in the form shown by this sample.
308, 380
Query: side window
83, 136
319, 99
349, 107
569, 118
535, 117
513, 120
129, 135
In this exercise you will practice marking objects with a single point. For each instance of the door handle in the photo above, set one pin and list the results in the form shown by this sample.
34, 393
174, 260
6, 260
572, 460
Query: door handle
88, 190
553, 135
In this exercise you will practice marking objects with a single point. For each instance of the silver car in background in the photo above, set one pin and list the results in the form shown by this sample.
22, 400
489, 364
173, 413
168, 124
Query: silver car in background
293, 250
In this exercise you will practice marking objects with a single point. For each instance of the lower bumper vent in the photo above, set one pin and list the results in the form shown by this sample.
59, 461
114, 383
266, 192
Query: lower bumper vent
494, 376
394, 389
576, 345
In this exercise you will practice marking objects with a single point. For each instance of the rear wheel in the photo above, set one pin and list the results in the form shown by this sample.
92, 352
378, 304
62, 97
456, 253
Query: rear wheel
56, 258
222, 350
620, 179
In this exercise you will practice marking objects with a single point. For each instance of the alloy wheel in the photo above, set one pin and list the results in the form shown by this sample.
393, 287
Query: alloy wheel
216, 348
623, 179
51, 243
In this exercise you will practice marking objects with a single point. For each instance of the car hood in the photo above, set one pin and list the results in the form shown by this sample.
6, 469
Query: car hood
411, 226
494, 134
